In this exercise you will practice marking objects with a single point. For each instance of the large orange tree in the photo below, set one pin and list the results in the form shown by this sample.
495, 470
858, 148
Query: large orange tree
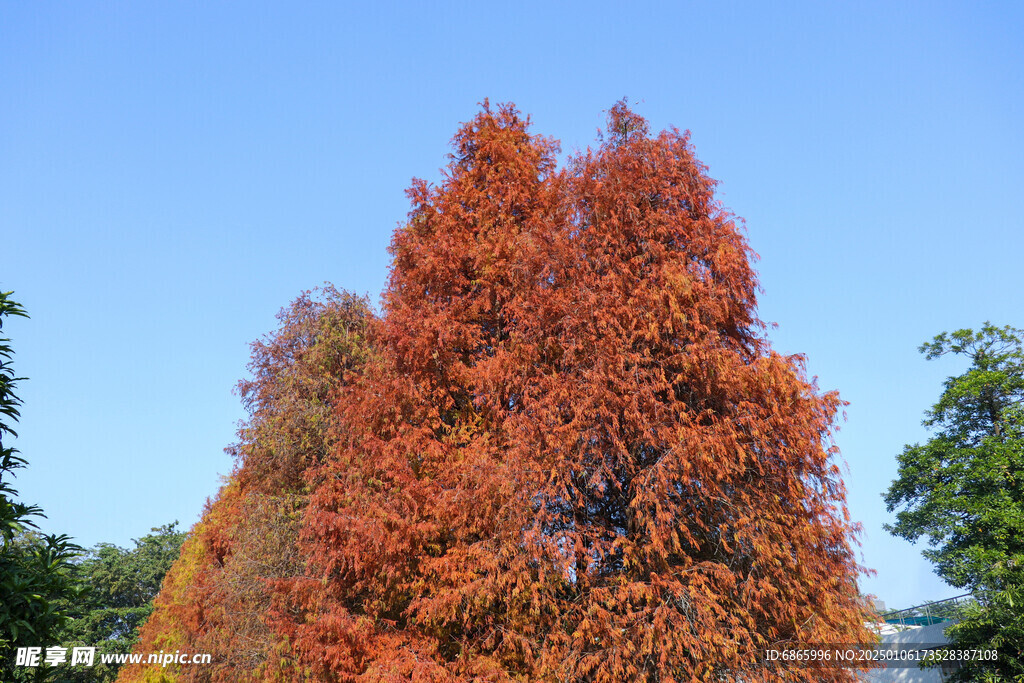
578, 458
572, 454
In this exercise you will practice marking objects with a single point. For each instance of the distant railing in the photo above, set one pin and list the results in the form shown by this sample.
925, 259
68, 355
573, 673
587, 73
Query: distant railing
930, 612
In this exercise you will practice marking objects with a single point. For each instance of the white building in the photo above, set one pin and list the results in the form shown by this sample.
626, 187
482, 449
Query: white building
918, 640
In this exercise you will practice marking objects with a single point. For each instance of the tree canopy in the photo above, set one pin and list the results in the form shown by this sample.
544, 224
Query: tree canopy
34, 568
568, 452
963, 490
219, 596
117, 588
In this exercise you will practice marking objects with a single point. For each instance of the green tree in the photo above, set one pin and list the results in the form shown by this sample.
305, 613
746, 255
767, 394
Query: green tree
121, 585
963, 490
35, 570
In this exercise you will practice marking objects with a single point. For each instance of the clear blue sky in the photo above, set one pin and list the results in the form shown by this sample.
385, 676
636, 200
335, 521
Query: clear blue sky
172, 173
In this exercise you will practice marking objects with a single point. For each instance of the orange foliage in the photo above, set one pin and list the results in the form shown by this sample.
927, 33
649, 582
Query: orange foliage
577, 458
572, 454
218, 595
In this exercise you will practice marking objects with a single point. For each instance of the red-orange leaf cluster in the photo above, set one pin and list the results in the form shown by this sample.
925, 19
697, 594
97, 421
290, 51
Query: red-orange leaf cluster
572, 454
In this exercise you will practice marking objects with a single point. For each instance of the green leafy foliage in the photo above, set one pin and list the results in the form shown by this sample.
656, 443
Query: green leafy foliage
963, 490
120, 585
35, 569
